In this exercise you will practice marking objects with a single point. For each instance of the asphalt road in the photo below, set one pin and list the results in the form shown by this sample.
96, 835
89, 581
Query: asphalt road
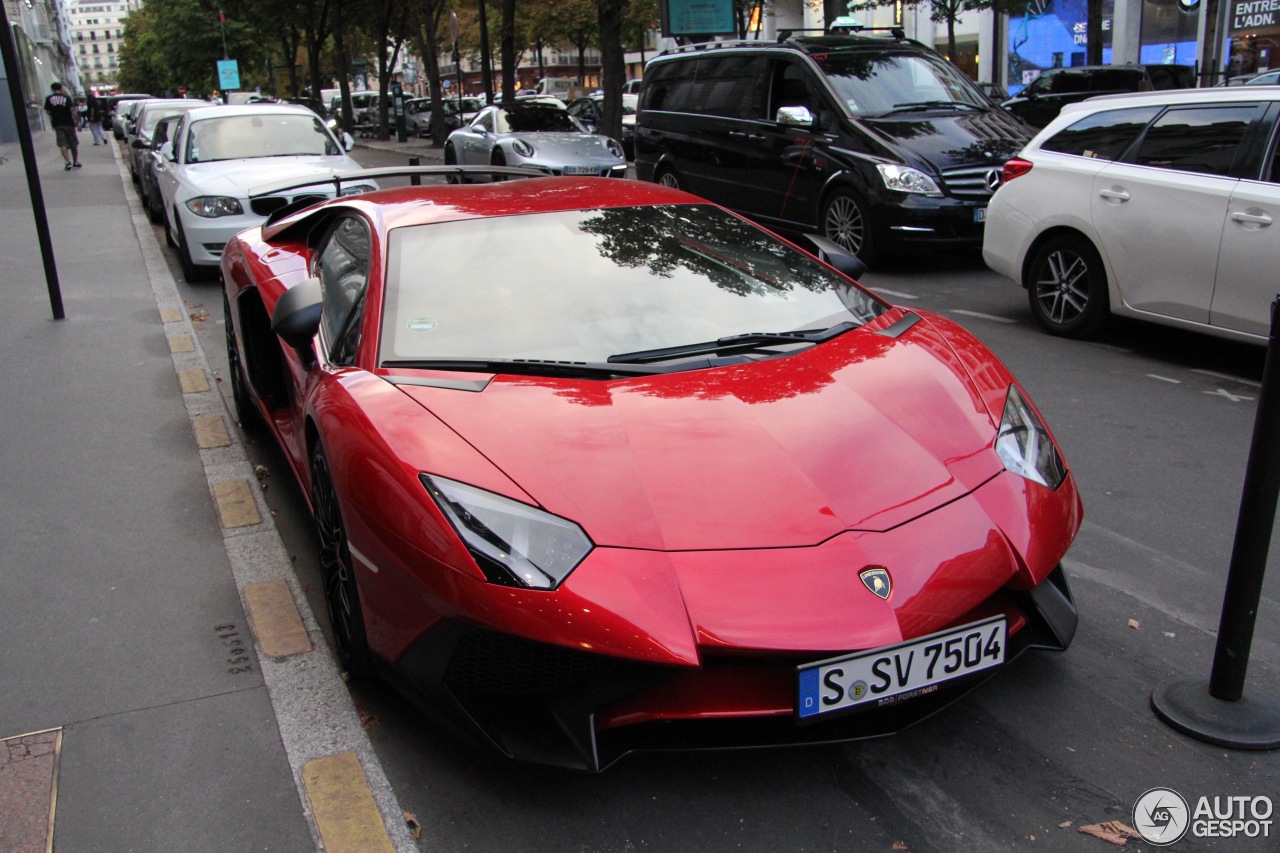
1156, 425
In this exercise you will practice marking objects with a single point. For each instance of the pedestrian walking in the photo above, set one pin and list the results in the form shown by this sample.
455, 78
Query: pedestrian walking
95, 120
62, 116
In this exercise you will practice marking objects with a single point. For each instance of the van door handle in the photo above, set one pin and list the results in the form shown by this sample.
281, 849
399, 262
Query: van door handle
1115, 194
1247, 216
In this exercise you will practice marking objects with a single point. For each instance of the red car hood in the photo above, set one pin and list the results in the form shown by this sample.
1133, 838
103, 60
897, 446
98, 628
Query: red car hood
864, 432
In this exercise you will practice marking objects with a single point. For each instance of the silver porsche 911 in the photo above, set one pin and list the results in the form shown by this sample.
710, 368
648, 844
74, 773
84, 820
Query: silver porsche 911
536, 135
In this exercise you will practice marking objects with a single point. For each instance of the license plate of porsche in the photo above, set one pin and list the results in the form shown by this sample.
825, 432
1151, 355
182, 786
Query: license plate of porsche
895, 674
980, 214
581, 170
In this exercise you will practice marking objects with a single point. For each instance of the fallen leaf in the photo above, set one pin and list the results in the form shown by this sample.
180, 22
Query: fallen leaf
261, 472
415, 828
1112, 831
898, 845
1169, 634
199, 316
1065, 824
1135, 624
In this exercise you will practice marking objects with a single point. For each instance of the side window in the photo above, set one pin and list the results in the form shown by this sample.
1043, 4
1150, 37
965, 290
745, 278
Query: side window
1196, 139
1118, 80
1069, 83
789, 89
1042, 84
343, 270
729, 87
1104, 135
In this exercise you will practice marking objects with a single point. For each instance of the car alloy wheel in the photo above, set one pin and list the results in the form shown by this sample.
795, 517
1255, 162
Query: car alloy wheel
844, 220
337, 573
1067, 287
668, 179
498, 159
451, 159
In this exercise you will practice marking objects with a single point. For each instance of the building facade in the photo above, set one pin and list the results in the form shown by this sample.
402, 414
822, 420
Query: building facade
97, 32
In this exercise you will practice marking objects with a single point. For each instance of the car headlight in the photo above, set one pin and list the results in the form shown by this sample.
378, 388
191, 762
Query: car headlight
356, 190
614, 148
907, 180
524, 149
1024, 446
514, 543
213, 206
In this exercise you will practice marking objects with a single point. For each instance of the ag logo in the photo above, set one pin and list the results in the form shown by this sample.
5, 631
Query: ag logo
877, 580
1161, 816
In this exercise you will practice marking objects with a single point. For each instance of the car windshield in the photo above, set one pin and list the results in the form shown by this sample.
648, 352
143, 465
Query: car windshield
875, 84
267, 135
595, 283
152, 117
535, 119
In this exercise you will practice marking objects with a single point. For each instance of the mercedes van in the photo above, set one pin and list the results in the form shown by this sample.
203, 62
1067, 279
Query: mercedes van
878, 143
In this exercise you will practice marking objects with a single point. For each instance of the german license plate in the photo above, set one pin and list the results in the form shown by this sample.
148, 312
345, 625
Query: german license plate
897, 673
980, 214
581, 170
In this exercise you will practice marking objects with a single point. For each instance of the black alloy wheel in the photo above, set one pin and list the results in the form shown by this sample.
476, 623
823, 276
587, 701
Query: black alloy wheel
844, 219
498, 158
451, 159
337, 574
1067, 287
246, 412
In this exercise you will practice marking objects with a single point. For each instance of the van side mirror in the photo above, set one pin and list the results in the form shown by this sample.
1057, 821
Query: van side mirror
796, 116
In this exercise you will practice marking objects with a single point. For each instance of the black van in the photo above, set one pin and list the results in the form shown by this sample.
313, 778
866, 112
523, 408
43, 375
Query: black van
877, 143
1041, 101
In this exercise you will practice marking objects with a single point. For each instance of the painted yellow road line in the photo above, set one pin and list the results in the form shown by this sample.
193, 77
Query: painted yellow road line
235, 504
343, 806
211, 431
193, 381
181, 343
275, 620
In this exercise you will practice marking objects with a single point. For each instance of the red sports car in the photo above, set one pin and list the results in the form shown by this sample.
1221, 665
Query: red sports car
598, 466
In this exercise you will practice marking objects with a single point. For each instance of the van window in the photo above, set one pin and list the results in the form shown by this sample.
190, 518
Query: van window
1197, 139
880, 83
1118, 80
1103, 135
717, 85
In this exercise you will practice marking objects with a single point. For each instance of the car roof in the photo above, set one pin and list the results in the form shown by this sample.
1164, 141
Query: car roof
216, 110
431, 203
808, 44
1216, 94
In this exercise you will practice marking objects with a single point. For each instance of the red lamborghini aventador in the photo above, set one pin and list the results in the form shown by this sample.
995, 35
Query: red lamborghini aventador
598, 466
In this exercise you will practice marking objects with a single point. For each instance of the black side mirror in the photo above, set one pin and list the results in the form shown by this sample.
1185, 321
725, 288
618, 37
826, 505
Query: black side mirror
296, 319
839, 257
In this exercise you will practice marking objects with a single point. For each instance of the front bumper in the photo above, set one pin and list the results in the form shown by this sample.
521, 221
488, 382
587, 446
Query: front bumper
577, 710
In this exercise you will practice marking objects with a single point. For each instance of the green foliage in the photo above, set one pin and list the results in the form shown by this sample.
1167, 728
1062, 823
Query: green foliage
172, 43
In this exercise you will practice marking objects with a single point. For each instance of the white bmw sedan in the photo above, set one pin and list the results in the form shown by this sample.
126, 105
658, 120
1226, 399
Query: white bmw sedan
220, 154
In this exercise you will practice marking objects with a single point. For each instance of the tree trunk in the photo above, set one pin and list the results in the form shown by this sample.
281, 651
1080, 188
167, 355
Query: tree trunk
1093, 47
508, 49
613, 66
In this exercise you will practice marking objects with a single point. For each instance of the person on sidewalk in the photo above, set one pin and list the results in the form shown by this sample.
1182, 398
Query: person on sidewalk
95, 120
62, 117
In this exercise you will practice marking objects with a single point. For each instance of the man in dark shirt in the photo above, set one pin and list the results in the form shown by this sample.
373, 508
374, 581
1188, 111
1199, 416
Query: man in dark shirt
62, 116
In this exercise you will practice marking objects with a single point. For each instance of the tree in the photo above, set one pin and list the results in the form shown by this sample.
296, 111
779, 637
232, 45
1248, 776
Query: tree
613, 66
948, 11
172, 43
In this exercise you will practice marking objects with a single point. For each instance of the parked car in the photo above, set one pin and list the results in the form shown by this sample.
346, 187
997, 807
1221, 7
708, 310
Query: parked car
1041, 101
421, 125
1268, 78
108, 105
599, 466
1157, 206
142, 126
537, 135
590, 111
220, 154
152, 165
878, 143
123, 114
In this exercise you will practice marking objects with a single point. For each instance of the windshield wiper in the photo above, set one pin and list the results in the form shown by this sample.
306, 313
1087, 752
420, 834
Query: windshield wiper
733, 343
525, 367
923, 105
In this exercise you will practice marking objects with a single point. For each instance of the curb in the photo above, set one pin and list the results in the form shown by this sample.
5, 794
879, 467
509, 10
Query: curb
344, 792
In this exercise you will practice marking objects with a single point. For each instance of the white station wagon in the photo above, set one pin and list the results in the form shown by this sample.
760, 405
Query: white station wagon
1162, 206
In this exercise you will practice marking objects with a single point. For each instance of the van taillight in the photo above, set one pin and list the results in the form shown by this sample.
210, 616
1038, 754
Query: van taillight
1015, 168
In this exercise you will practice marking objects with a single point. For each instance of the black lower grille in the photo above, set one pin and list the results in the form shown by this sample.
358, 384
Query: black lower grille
498, 663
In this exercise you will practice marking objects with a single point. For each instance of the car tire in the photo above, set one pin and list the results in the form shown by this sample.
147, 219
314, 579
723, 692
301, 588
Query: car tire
1067, 287
451, 159
498, 159
154, 211
844, 219
168, 234
190, 271
246, 412
668, 178
337, 574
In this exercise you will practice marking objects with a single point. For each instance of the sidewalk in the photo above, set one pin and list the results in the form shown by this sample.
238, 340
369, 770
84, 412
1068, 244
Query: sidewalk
137, 712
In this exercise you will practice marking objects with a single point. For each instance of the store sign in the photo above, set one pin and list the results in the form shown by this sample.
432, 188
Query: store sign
699, 18
1253, 14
